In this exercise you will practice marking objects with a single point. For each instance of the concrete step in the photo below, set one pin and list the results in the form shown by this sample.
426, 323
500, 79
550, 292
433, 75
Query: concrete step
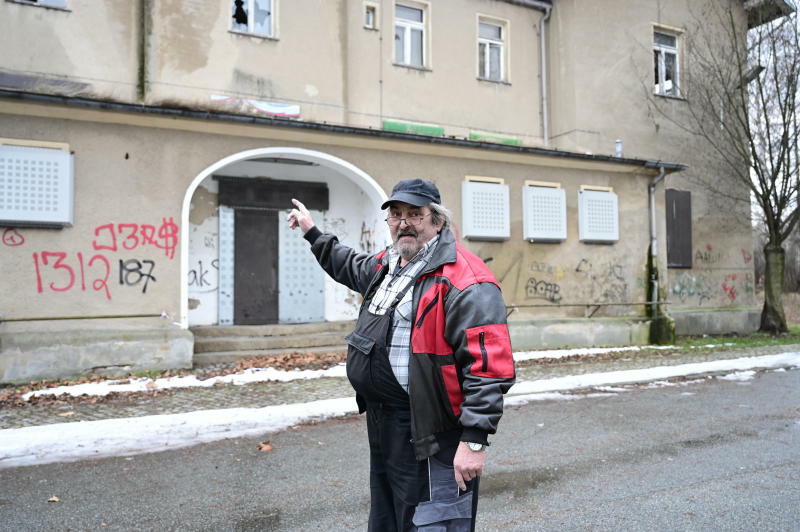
220, 357
280, 329
250, 343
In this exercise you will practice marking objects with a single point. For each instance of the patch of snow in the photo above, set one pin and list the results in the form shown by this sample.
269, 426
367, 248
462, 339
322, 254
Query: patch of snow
248, 376
738, 376
64, 442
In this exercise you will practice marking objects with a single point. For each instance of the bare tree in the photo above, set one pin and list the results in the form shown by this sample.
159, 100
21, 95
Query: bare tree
741, 90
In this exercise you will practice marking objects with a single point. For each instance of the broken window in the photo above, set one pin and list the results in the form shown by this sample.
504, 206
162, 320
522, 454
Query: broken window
666, 64
491, 58
409, 35
58, 4
253, 16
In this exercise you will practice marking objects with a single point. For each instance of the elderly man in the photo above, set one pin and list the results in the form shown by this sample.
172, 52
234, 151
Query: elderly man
429, 359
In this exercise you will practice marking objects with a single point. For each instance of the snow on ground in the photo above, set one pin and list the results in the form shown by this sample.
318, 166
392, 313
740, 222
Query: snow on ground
631, 376
145, 384
113, 437
254, 375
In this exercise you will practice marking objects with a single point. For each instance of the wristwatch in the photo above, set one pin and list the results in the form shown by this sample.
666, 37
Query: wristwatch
477, 447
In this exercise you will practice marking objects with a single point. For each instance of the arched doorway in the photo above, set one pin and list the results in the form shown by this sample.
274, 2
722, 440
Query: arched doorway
235, 208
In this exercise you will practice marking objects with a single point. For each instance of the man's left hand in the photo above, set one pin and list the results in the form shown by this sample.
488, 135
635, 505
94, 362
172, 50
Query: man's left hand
467, 464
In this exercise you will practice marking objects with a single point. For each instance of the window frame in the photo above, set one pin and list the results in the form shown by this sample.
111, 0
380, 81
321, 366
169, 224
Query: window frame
375, 9
250, 4
661, 50
502, 43
408, 25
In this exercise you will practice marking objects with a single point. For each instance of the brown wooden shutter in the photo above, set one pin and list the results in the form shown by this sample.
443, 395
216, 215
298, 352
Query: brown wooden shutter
679, 228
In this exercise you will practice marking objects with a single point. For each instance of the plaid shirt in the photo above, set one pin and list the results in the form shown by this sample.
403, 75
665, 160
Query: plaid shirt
394, 282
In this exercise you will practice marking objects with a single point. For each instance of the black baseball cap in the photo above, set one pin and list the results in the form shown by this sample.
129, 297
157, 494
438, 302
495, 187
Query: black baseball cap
417, 192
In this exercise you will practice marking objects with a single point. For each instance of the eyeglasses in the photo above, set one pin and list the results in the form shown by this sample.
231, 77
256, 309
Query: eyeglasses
414, 220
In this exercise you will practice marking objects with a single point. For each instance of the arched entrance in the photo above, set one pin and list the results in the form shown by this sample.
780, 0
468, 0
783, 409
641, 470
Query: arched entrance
255, 185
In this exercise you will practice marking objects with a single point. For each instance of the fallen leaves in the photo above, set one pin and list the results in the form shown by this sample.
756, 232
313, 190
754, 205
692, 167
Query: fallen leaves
265, 446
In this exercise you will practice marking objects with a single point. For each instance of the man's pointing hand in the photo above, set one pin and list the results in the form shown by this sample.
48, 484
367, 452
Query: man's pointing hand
300, 217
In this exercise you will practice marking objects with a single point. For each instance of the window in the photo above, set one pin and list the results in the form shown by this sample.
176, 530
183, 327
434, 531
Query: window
409, 35
666, 63
491, 51
58, 4
253, 16
679, 228
370, 16
36, 183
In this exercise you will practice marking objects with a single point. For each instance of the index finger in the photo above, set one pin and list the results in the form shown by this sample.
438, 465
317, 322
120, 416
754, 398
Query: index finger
299, 205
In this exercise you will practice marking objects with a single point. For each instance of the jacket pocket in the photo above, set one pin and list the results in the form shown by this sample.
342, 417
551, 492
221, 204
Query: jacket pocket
360, 343
490, 348
426, 310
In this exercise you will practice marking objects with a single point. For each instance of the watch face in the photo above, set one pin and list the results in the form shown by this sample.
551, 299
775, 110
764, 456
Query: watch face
475, 446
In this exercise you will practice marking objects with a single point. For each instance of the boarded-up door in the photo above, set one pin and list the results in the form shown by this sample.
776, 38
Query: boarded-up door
256, 267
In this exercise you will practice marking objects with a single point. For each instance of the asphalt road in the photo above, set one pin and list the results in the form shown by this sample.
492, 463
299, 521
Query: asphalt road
716, 455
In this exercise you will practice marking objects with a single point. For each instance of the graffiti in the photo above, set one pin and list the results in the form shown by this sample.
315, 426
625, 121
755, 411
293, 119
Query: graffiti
543, 267
746, 256
543, 290
689, 286
198, 276
366, 241
707, 256
607, 283
65, 273
11, 237
59, 271
131, 273
210, 242
130, 236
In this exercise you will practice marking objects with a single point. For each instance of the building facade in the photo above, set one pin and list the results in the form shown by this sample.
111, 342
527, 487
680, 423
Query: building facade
149, 150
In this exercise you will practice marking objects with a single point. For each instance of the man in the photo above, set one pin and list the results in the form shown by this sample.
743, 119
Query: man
429, 359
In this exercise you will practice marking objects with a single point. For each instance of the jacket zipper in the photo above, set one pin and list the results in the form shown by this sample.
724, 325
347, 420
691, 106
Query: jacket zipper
484, 353
427, 309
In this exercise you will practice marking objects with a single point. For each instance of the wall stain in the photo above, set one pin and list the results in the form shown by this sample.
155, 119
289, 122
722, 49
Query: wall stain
185, 37
204, 205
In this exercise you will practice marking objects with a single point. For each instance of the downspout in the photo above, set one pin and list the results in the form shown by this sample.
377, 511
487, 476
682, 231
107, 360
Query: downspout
543, 77
654, 244
546, 7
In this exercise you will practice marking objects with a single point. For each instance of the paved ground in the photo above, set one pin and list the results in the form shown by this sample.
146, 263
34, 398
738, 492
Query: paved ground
266, 394
715, 455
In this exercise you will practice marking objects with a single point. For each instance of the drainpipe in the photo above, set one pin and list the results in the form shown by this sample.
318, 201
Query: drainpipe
654, 243
546, 7
543, 77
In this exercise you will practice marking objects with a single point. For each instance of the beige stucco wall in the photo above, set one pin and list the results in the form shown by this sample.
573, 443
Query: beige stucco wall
129, 174
46, 50
604, 93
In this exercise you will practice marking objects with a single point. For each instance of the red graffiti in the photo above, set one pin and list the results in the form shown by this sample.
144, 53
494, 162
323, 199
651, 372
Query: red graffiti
130, 236
729, 286
58, 266
709, 247
746, 256
11, 237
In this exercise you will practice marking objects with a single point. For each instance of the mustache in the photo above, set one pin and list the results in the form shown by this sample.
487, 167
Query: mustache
404, 232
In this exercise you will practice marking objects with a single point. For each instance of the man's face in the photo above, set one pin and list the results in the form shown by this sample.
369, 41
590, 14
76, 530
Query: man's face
408, 239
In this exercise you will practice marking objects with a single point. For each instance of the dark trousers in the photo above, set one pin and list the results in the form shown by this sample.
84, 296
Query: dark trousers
399, 482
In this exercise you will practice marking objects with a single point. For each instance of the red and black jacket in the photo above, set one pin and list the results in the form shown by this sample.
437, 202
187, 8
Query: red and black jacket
461, 362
